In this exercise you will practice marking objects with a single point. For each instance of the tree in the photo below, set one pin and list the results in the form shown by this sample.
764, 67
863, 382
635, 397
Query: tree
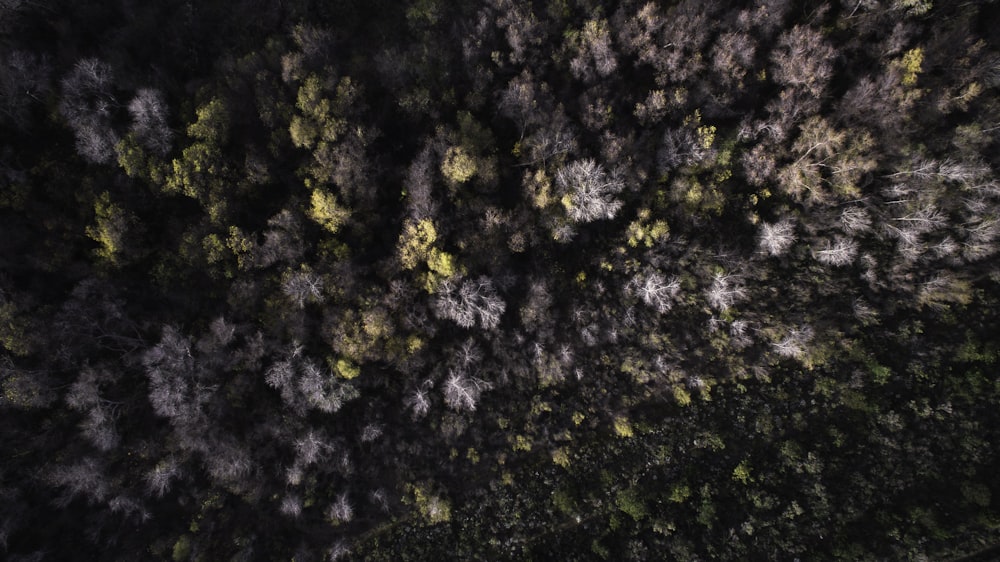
838, 252
589, 191
322, 389
291, 505
518, 101
87, 105
725, 291
98, 425
793, 345
327, 211
462, 392
149, 121
471, 302
855, 220
283, 241
686, 146
672, 43
419, 186
23, 388
803, 60
160, 478
458, 166
776, 238
302, 286
593, 55
732, 57
113, 229
418, 402
655, 290
341, 510
212, 124
85, 477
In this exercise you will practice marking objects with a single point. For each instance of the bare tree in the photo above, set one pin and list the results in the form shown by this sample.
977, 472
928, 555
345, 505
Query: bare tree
855, 220
149, 120
282, 241
418, 402
419, 184
291, 505
803, 60
518, 101
159, 479
87, 105
793, 345
594, 57
86, 477
303, 286
129, 506
732, 57
655, 290
591, 190
838, 252
682, 146
462, 392
341, 510
775, 239
472, 302
324, 390
99, 427
726, 290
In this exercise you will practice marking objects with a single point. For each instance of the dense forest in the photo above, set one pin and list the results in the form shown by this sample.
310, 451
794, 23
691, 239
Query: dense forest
499, 280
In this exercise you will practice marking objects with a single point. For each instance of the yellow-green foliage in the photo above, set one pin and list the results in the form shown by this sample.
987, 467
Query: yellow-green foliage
22, 391
742, 472
425, 12
709, 441
472, 134
241, 246
433, 508
682, 396
914, 7
910, 65
215, 249
212, 125
457, 165
539, 185
131, 157
193, 172
976, 493
706, 136
641, 231
315, 110
622, 427
318, 121
182, 549
680, 493
630, 502
441, 263
303, 131
415, 242
561, 457
326, 211
110, 228
347, 370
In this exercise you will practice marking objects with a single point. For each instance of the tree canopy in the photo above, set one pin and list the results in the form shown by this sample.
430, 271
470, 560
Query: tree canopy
499, 280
